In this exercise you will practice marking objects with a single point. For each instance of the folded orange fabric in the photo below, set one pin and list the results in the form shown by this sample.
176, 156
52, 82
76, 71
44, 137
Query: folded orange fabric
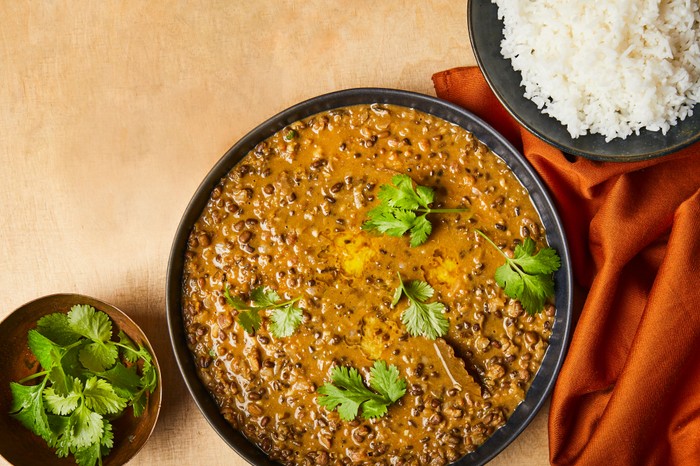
629, 390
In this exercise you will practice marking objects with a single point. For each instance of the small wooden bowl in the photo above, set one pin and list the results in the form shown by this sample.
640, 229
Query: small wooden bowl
20, 446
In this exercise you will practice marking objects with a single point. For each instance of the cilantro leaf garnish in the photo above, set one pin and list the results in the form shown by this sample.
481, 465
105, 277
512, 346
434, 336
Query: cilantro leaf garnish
404, 209
285, 316
84, 380
348, 393
421, 318
250, 320
527, 276
285, 320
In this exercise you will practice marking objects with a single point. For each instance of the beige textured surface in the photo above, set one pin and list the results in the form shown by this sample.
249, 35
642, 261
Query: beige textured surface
111, 113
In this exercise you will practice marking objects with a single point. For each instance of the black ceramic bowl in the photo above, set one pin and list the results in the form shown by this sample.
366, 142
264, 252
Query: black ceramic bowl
486, 33
543, 381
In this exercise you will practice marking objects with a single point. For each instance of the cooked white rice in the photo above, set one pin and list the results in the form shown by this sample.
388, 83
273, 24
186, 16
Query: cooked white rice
611, 67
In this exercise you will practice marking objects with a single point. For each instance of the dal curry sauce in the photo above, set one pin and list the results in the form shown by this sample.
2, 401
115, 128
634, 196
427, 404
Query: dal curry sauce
288, 218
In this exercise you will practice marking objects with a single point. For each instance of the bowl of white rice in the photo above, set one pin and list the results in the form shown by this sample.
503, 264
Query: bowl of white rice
616, 80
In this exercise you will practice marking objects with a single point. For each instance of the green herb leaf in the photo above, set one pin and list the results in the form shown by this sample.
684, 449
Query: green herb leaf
59, 437
399, 209
46, 351
264, 298
101, 398
385, 380
348, 393
28, 407
56, 328
125, 381
98, 356
527, 277
285, 321
89, 455
107, 441
85, 427
63, 405
285, 317
421, 318
250, 320
86, 321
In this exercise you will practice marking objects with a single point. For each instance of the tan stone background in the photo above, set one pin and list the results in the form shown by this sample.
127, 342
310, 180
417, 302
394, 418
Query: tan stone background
112, 112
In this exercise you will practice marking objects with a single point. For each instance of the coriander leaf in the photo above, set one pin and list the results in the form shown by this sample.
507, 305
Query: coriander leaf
46, 351
125, 381
372, 408
139, 403
149, 379
399, 209
392, 222
107, 441
420, 230
264, 297
402, 195
98, 356
131, 352
92, 324
62, 384
546, 261
285, 317
285, 321
235, 301
385, 380
60, 437
250, 320
101, 398
421, 318
62, 405
56, 328
426, 195
348, 393
425, 319
527, 277
88, 456
347, 402
85, 427
128, 347
510, 280
536, 290
28, 407
418, 290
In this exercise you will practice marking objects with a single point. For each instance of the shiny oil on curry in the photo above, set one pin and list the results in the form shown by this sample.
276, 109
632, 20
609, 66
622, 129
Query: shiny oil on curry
288, 217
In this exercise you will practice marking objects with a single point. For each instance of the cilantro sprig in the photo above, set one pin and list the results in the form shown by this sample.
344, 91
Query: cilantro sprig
86, 380
404, 209
421, 318
285, 317
348, 393
527, 276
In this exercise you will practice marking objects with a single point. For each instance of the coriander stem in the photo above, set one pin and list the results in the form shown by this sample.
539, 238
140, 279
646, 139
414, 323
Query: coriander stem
277, 306
33, 376
492, 244
441, 211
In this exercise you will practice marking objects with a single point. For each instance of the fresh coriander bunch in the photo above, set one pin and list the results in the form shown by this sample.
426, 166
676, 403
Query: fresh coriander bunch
87, 379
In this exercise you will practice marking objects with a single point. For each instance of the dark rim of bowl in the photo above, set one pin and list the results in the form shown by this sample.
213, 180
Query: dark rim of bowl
482, 47
554, 357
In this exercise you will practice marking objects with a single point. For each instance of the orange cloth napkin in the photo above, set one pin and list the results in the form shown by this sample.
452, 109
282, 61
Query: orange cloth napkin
629, 390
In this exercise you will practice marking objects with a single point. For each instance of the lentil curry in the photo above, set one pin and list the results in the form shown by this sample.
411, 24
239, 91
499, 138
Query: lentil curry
288, 217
